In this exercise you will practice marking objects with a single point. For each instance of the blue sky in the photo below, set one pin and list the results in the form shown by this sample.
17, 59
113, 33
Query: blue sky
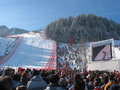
37, 14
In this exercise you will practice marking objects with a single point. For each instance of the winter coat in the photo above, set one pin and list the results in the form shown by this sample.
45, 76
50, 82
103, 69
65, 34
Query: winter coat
16, 83
36, 83
108, 85
24, 78
90, 86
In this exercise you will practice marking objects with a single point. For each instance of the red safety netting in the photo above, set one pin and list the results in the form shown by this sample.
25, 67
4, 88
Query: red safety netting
52, 63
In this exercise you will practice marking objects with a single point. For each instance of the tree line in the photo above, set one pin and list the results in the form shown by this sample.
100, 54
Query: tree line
83, 28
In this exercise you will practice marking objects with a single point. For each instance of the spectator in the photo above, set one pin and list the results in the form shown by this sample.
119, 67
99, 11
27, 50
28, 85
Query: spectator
8, 71
25, 77
70, 83
90, 85
16, 80
53, 83
111, 83
97, 85
79, 84
36, 82
105, 81
21, 71
5, 83
63, 84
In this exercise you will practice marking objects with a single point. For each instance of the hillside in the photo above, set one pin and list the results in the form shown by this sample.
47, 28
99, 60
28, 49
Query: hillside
4, 31
30, 50
83, 28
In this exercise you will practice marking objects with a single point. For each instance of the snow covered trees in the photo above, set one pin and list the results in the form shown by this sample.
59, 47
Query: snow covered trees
83, 28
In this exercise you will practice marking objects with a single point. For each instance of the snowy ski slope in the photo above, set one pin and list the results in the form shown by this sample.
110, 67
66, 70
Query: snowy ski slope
5, 43
33, 52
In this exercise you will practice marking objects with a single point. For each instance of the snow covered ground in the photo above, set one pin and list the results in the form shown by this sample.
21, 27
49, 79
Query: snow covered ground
6, 44
34, 51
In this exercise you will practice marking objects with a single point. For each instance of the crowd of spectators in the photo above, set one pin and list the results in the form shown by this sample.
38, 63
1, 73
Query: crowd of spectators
65, 79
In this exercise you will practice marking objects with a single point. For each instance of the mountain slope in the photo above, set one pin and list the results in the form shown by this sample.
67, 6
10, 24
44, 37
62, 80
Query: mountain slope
4, 31
34, 51
15, 31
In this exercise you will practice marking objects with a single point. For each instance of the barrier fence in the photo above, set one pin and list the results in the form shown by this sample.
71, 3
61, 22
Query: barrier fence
52, 64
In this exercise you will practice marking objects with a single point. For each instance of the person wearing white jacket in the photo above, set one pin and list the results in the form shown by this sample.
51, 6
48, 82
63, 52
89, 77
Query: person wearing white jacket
36, 83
